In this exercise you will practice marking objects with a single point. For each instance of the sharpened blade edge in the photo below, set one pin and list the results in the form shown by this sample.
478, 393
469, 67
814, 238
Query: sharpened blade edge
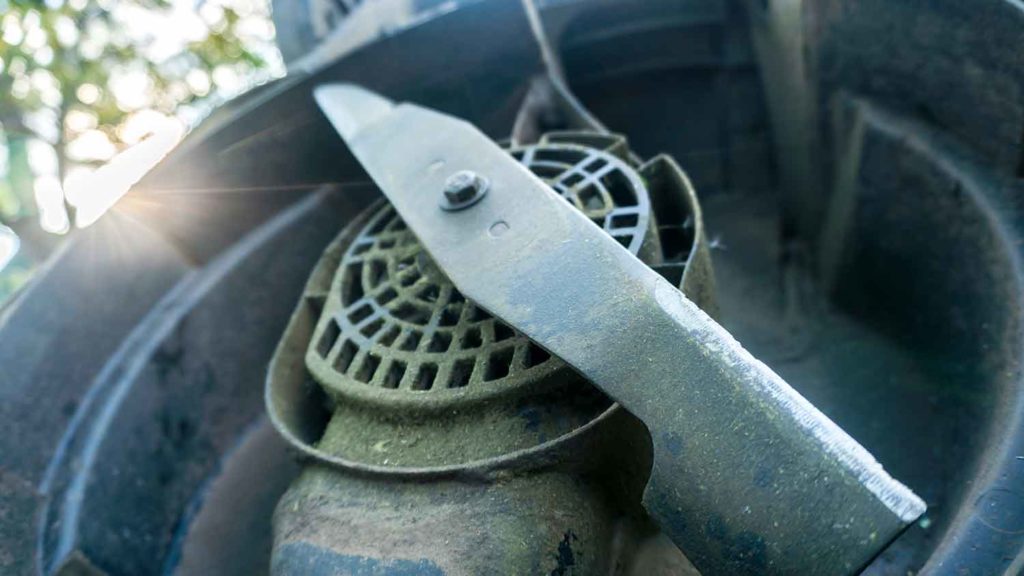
897, 497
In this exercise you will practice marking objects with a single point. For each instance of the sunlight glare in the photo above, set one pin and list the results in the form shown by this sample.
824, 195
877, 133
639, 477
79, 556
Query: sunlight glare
50, 201
9, 245
93, 193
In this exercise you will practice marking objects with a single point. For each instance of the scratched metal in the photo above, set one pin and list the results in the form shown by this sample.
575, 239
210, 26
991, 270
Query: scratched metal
748, 477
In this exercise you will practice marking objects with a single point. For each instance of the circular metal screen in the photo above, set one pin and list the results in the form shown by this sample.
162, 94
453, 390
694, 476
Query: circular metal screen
395, 324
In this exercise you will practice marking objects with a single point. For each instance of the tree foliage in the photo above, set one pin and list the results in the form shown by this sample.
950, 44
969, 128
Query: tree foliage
80, 69
79, 79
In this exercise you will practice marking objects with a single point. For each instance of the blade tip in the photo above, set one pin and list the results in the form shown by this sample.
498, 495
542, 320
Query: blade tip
349, 107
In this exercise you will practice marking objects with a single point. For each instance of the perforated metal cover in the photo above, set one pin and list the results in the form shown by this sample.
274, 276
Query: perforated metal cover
395, 329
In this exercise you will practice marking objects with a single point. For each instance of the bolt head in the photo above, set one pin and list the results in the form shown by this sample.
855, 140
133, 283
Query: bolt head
463, 189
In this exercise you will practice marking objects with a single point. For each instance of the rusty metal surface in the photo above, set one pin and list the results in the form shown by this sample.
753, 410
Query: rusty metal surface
745, 469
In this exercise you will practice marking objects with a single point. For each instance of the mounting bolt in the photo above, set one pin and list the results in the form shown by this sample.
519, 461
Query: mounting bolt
463, 189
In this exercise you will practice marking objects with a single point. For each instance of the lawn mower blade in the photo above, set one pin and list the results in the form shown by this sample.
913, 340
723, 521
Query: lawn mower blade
748, 477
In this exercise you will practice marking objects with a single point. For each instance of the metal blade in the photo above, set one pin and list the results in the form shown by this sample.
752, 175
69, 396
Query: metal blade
748, 477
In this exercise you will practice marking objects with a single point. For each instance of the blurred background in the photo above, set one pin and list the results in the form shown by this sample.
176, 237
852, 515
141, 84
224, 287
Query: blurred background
95, 92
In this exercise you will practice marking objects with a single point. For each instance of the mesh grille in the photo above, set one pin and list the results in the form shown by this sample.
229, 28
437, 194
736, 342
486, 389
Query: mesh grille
393, 321
403, 325
598, 184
